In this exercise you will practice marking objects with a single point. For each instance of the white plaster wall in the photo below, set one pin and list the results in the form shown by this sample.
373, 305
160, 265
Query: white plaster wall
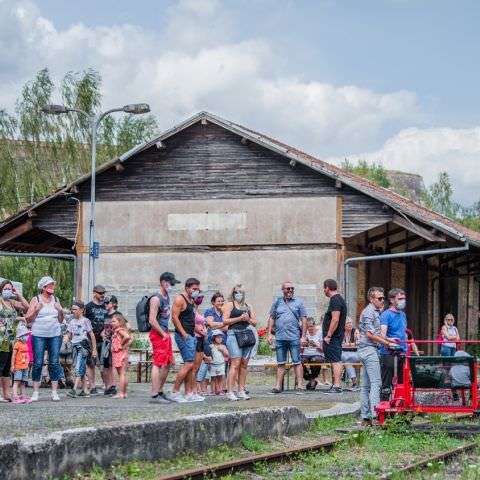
215, 222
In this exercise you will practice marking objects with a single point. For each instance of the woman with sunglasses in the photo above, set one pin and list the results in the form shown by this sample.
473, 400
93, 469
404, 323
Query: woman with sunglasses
238, 316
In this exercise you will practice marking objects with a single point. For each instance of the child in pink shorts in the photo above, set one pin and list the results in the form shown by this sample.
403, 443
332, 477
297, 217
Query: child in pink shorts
121, 339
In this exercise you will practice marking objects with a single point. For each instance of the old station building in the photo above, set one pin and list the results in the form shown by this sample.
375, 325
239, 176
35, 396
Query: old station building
215, 200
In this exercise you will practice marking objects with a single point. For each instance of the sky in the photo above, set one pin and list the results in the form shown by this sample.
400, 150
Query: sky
390, 81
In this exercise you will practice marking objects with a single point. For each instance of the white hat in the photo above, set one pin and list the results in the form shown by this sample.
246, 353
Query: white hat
216, 332
44, 281
21, 331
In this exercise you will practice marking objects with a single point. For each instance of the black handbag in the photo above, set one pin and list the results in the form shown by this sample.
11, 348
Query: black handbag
245, 338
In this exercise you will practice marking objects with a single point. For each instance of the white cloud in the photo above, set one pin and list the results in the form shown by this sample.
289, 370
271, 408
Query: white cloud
431, 151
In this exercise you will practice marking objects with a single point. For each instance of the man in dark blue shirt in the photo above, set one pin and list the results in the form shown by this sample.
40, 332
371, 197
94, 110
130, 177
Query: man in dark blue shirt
393, 324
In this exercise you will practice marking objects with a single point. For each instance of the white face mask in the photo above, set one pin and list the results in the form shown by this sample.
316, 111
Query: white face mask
169, 289
238, 296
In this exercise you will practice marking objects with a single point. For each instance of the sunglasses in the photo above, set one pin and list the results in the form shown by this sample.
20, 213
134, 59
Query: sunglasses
289, 289
380, 298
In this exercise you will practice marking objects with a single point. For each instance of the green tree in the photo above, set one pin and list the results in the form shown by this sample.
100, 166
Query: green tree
39, 153
375, 172
438, 197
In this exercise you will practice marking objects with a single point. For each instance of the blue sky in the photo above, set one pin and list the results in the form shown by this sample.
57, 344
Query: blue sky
390, 81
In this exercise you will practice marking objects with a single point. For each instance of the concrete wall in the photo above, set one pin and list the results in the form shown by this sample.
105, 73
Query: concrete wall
256, 242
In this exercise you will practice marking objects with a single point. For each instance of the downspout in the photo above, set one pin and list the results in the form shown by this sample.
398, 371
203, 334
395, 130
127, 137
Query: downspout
389, 256
66, 256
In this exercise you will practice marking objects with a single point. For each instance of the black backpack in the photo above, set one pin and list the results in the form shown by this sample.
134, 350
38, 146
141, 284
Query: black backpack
143, 312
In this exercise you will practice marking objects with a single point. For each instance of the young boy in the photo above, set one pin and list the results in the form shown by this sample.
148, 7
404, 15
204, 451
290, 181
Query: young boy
19, 366
79, 329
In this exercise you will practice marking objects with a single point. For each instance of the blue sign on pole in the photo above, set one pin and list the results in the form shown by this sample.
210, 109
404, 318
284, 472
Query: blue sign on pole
96, 249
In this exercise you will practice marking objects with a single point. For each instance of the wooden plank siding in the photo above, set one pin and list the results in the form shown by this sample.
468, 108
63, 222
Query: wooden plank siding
58, 217
207, 162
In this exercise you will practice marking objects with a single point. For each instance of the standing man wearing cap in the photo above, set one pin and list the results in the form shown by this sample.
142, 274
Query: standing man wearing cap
158, 317
96, 312
46, 314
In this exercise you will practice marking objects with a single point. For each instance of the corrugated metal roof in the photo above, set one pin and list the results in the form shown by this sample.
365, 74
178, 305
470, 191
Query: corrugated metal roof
393, 200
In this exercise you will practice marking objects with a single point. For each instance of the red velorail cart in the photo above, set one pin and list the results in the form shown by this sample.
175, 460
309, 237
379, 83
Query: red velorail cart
433, 384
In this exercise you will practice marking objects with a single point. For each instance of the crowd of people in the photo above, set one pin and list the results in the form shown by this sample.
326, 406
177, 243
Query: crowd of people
215, 346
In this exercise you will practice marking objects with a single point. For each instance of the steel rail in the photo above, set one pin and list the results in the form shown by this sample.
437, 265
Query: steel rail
447, 455
247, 463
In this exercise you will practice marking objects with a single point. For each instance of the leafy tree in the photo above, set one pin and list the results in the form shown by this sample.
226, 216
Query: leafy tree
438, 197
39, 153
375, 172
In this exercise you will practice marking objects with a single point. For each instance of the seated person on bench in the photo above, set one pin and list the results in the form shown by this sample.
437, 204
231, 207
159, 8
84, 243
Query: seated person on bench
312, 353
460, 375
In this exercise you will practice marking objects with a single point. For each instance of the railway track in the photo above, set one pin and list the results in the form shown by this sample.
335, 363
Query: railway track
248, 463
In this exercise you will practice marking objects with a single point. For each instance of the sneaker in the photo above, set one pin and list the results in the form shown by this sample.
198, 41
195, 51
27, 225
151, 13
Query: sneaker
72, 393
18, 400
243, 396
194, 397
176, 397
26, 399
299, 391
160, 398
83, 394
274, 391
94, 391
333, 390
231, 396
34, 397
55, 397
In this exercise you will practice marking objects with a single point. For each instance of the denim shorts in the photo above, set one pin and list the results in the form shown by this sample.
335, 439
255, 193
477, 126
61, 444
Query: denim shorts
187, 347
21, 375
282, 347
234, 351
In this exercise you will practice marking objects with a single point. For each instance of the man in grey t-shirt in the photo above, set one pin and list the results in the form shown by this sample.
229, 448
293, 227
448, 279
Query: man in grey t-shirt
289, 318
370, 338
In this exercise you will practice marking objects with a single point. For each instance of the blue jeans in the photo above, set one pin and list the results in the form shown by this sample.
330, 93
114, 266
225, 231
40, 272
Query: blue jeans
187, 347
234, 350
447, 351
371, 382
80, 360
52, 345
282, 347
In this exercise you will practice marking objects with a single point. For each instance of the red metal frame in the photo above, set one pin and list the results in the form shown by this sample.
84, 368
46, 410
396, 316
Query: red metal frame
402, 399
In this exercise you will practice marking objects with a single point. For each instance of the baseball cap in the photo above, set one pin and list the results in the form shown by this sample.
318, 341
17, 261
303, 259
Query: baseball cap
169, 277
22, 330
216, 332
44, 281
99, 289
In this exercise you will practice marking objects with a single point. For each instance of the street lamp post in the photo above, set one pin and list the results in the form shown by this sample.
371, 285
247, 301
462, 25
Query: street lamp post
135, 109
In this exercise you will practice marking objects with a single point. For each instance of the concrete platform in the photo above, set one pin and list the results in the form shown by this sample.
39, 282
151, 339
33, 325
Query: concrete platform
45, 416
49, 439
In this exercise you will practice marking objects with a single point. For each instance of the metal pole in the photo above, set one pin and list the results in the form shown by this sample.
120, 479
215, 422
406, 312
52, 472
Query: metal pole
91, 258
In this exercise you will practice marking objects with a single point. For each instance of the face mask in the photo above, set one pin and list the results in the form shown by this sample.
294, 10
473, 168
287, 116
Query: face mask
195, 294
238, 296
402, 304
7, 294
198, 300
169, 289
49, 290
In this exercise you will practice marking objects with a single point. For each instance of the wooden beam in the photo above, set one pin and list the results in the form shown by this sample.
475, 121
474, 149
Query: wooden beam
404, 241
16, 231
119, 167
386, 234
418, 229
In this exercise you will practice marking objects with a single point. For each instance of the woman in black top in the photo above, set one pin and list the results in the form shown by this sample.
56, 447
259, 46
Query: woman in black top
238, 315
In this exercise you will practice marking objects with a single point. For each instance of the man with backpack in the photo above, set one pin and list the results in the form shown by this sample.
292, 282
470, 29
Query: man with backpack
289, 319
158, 318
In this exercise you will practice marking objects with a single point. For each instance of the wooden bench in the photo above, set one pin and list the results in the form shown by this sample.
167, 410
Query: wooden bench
289, 365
